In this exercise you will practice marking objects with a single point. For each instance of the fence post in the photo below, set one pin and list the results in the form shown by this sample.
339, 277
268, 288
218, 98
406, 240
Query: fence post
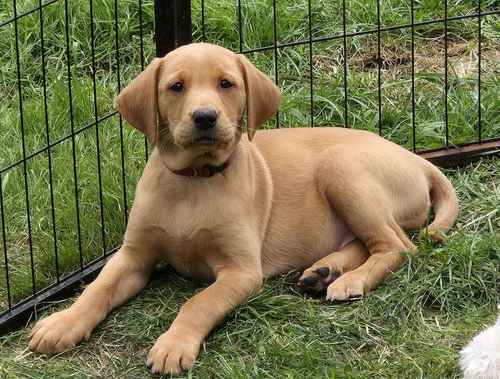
172, 25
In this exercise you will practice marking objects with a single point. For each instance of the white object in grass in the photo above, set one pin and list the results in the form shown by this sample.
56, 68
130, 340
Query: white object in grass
480, 359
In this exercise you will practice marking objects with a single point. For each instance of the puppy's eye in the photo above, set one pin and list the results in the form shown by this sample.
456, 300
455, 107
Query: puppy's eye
224, 83
177, 87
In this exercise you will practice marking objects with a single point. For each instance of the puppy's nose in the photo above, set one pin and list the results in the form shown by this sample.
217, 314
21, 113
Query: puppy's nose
205, 118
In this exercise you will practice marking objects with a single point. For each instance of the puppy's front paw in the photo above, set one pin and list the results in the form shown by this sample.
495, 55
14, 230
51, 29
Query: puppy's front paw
58, 332
171, 354
349, 286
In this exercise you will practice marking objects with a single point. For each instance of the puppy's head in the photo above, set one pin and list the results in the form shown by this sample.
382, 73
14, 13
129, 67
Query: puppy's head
192, 103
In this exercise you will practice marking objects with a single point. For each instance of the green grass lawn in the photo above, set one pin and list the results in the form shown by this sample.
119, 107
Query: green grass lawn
414, 324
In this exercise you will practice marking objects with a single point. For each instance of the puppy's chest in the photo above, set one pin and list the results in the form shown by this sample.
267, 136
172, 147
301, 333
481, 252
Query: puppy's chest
195, 237
191, 253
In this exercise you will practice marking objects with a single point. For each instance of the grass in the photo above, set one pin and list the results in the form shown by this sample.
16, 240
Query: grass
412, 326
443, 296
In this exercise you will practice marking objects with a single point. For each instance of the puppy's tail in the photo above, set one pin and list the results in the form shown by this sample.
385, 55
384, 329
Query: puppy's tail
445, 204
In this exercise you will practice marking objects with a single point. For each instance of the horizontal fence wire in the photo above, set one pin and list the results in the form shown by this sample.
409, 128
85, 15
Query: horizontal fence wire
17, 313
86, 270
58, 141
413, 25
17, 17
368, 32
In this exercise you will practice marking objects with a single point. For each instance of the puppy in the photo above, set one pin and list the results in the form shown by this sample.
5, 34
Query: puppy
233, 208
480, 359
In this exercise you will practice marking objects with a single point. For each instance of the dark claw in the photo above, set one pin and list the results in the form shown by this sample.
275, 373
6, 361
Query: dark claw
322, 271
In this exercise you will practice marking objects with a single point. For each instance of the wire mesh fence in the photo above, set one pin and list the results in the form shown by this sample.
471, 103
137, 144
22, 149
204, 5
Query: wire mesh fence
65, 147
423, 74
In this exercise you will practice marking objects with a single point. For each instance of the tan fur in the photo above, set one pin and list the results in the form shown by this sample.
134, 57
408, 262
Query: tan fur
292, 198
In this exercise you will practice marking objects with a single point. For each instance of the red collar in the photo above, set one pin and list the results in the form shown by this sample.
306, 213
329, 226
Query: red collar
203, 171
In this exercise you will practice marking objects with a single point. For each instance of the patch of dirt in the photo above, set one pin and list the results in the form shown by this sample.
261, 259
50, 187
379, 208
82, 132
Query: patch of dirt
395, 59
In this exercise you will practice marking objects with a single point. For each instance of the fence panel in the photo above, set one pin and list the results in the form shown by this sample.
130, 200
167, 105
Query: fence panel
69, 165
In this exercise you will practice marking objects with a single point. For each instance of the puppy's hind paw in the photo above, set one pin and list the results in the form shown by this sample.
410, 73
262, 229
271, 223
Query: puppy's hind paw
316, 279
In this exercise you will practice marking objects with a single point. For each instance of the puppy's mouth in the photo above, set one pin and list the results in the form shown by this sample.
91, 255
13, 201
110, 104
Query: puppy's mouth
205, 141
187, 138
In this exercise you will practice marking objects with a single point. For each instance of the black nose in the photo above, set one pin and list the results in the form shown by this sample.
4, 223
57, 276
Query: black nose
205, 118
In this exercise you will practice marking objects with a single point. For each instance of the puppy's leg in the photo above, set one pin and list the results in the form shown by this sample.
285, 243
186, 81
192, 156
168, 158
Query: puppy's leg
388, 250
177, 349
325, 271
122, 277
370, 199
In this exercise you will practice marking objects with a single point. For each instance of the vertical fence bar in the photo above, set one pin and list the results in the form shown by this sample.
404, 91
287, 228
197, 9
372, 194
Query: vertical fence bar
141, 38
72, 125
240, 27
96, 120
120, 121
23, 142
172, 25
479, 33
311, 85
379, 68
4, 241
275, 56
413, 113
47, 136
447, 136
164, 30
344, 40
203, 30
141, 51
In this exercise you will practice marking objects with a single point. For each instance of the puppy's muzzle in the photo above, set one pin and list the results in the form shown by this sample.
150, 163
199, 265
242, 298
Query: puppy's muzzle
205, 118
205, 124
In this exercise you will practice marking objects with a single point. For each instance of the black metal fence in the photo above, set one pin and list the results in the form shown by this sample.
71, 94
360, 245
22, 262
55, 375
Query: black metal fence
40, 174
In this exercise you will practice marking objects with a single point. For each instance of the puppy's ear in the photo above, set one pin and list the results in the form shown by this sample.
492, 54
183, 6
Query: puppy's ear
263, 96
138, 102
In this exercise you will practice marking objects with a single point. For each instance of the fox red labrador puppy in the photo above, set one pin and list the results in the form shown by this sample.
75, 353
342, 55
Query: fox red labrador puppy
233, 208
